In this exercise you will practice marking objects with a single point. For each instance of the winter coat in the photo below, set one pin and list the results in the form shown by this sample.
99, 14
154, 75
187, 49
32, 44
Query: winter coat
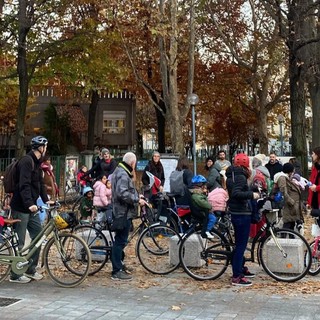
214, 178
156, 169
273, 168
30, 184
218, 199
238, 190
315, 179
86, 206
49, 181
108, 167
200, 206
292, 209
100, 198
125, 197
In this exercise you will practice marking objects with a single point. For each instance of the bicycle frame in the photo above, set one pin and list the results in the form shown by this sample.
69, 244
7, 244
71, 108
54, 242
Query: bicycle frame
20, 261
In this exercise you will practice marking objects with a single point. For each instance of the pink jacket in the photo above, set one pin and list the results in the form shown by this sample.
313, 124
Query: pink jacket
100, 198
109, 195
218, 198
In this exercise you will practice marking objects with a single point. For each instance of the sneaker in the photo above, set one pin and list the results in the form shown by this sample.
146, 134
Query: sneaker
247, 273
127, 269
207, 235
120, 276
35, 276
241, 281
22, 279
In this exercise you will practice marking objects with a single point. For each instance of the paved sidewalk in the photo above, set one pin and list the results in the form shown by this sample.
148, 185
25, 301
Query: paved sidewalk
43, 300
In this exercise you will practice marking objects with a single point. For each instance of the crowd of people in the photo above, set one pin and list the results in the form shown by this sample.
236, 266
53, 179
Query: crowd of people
109, 193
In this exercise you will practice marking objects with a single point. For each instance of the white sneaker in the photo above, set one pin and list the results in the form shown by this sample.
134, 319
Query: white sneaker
36, 276
22, 279
209, 235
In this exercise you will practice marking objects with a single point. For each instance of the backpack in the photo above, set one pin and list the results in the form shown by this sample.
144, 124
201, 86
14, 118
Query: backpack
176, 183
10, 176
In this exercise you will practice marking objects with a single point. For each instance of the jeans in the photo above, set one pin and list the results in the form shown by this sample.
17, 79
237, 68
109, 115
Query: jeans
241, 225
30, 222
211, 221
120, 242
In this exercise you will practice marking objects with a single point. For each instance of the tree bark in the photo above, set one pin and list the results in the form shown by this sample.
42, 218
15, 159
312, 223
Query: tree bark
92, 118
22, 68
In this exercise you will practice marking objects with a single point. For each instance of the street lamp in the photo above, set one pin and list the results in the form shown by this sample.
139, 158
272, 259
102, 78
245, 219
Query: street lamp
281, 121
152, 130
193, 99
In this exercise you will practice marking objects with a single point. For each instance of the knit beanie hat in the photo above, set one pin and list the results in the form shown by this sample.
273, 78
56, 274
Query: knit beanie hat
288, 167
104, 151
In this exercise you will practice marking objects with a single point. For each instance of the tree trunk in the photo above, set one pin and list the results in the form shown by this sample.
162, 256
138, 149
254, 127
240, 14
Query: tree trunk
23, 78
315, 102
263, 131
139, 144
92, 118
161, 122
297, 109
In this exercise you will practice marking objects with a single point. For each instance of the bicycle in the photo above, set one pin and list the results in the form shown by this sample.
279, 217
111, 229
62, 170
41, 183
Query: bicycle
315, 244
283, 253
66, 257
151, 242
72, 193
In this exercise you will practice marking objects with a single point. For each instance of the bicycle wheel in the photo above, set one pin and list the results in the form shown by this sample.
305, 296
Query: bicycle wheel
68, 260
71, 194
204, 259
286, 256
153, 249
5, 250
315, 255
76, 206
98, 244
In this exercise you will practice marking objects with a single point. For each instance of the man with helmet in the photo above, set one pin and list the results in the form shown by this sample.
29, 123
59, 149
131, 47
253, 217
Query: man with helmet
239, 196
28, 188
200, 206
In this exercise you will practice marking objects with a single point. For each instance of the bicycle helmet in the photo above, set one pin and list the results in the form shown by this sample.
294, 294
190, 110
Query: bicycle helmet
241, 159
198, 180
38, 141
86, 190
65, 220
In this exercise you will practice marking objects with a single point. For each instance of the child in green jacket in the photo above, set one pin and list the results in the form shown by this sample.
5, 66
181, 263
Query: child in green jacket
200, 206
86, 204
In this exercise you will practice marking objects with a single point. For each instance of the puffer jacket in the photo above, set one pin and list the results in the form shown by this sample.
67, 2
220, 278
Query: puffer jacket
100, 198
238, 190
125, 197
200, 207
218, 199
292, 208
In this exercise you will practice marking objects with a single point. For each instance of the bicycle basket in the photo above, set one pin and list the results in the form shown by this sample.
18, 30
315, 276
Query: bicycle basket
65, 220
272, 215
315, 230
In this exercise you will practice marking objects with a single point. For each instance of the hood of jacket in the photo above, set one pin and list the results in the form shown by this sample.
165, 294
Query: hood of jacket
234, 170
278, 175
264, 171
217, 166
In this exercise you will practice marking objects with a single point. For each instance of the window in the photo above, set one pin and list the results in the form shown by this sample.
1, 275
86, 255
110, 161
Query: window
114, 122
